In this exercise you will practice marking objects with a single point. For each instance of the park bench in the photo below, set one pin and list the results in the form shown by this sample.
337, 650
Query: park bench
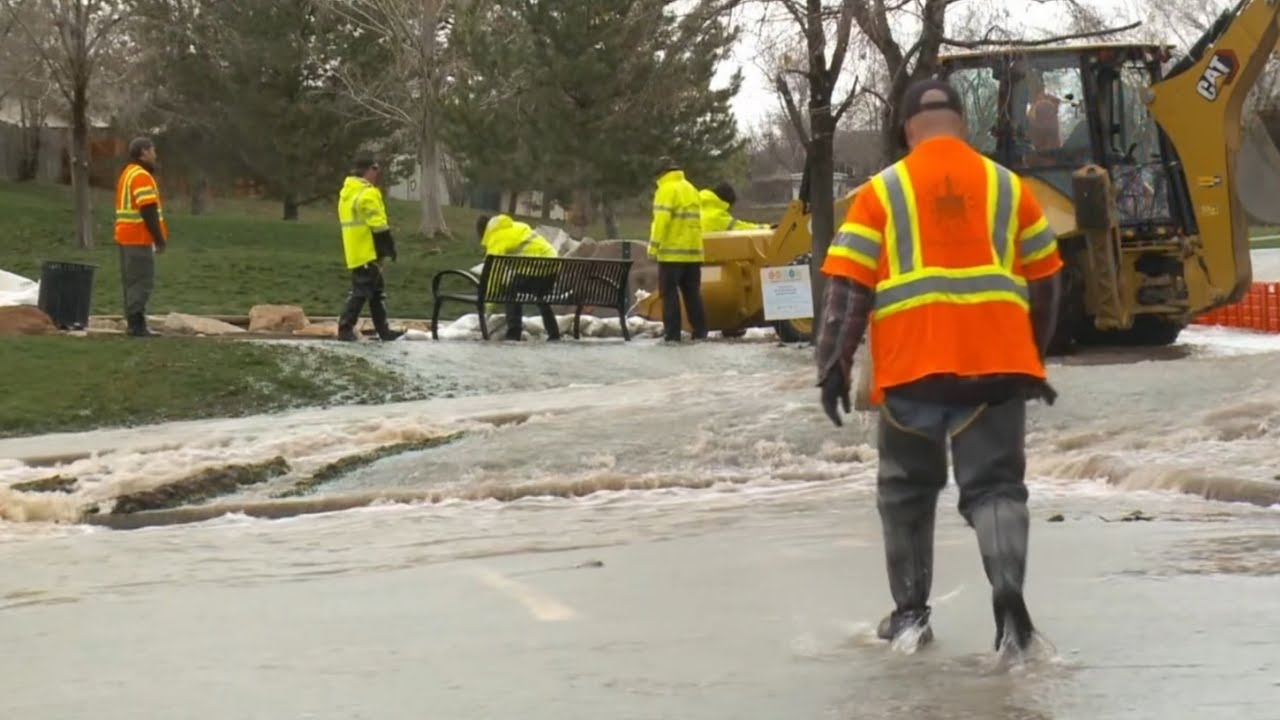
579, 283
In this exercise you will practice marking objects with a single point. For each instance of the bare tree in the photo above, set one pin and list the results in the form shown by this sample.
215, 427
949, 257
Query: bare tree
83, 34
407, 93
815, 71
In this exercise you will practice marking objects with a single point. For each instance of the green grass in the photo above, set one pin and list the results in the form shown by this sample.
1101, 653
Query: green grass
240, 253
70, 383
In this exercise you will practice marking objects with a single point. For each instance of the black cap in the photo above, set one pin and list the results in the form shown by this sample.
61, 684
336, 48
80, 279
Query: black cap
363, 163
666, 164
725, 192
913, 101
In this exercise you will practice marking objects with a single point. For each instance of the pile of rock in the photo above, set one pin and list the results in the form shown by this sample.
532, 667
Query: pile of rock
25, 320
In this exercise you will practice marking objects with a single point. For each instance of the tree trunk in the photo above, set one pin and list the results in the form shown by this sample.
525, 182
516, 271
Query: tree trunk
580, 217
546, 205
431, 222
821, 188
610, 221
29, 159
513, 202
290, 206
80, 165
200, 196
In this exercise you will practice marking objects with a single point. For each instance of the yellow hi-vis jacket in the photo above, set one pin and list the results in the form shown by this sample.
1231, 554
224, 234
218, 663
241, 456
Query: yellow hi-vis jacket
676, 232
504, 236
362, 213
716, 217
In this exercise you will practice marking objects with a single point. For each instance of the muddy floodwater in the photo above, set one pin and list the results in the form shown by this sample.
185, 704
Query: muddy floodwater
609, 530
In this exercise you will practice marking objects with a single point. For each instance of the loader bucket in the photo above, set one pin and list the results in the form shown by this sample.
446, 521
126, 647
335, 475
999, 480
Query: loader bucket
1258, 174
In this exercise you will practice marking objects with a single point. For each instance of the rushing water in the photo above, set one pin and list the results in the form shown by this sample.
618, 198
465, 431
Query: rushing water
633, 530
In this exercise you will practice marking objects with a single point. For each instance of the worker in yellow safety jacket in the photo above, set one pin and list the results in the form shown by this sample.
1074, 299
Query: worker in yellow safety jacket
675, 241
366, 242
715, 211
501, 235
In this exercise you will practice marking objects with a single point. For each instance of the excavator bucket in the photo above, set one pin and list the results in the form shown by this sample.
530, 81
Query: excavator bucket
1258, 173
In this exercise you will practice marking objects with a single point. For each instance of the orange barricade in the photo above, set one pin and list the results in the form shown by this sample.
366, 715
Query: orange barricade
1258, 310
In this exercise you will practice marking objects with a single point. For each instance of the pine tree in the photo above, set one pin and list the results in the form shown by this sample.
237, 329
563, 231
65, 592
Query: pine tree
588, 94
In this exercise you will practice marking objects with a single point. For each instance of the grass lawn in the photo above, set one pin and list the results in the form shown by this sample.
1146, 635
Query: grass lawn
71, 383
238, 255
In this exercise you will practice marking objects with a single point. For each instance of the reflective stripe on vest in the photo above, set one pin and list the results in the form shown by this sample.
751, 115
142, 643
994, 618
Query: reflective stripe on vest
355, 220
126, 214
526, 242
911, 283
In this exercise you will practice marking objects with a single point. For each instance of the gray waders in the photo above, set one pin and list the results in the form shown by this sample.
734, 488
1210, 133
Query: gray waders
987, 447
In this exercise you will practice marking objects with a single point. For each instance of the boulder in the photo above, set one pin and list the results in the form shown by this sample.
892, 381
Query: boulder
276, 318
323, 330
25, 320
108, 325
182, 324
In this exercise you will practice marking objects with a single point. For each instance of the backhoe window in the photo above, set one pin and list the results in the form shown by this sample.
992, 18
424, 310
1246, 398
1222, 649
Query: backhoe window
1051, 130
1025, 112
1137, 170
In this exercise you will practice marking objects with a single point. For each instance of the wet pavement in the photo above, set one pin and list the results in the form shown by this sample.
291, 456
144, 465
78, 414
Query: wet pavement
768, 613
637, 531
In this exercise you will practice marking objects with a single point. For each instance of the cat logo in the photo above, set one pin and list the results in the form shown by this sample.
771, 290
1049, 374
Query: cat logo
1220, 71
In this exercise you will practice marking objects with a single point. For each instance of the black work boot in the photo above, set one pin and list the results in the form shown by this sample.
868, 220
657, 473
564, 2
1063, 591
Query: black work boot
908, 551
349, 317
898, 623
379, 313
137, 323
1002, 527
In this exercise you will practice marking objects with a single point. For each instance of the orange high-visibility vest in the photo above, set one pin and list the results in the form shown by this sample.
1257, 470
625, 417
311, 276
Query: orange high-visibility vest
136, 189
949, 240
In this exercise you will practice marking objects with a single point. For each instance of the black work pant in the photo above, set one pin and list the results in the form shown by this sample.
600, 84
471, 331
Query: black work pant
368, 284
536, 285
988, 451
678, 280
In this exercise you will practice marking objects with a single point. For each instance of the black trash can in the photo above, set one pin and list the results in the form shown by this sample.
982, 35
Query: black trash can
66, 292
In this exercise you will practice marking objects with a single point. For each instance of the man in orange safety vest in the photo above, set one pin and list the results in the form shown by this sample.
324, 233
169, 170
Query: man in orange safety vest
140, 231
951, 260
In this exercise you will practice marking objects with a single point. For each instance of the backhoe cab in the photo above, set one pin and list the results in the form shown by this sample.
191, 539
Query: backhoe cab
1134, 160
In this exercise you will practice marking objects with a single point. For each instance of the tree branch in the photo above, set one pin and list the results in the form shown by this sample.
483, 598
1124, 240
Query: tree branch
848, 102
974, 44
793, 112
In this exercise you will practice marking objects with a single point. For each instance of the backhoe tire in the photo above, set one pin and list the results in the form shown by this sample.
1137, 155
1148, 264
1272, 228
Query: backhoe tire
794, 331
1071, 314
798, 330
1146, 331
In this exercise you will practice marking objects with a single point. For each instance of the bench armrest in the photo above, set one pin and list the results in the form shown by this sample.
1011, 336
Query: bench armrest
465, 274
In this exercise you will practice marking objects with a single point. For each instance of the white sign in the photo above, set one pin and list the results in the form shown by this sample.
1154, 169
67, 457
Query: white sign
788, 294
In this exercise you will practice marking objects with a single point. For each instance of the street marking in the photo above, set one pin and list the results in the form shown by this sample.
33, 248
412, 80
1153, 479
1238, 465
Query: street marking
543, 607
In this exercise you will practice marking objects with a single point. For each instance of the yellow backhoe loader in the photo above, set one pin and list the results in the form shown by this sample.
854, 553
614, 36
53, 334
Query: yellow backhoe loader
1137, 161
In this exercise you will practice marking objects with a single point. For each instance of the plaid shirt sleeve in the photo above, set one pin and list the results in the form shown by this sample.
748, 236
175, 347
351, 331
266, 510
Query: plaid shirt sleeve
846, 308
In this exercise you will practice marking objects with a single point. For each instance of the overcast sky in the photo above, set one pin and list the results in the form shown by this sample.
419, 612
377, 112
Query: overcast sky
757, 99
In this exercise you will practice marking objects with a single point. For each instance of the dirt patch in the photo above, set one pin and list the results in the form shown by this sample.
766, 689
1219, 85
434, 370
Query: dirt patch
204, 485
342, 466
57, 483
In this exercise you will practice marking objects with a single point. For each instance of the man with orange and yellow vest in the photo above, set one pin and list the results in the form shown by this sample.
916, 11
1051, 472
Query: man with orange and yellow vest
140, 231
951, 259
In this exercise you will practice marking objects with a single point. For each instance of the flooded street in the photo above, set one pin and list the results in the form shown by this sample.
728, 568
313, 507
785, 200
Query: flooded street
609, 530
